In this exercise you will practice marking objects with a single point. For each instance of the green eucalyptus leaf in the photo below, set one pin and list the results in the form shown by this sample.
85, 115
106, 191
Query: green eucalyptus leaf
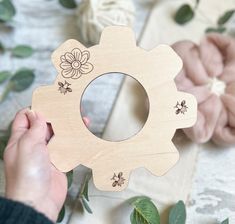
8, 131
178, 214
86, 206
4, 75
85, 187
226, 221
133, 217
61, 215
69, 176
21, 80
1, 47
3, 141
225, 17
5, 93
184, 14
7, 10
69, 4
144, 212
22, 51
3, 144
216, 30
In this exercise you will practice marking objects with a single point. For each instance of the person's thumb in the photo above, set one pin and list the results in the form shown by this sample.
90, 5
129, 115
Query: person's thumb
37, 127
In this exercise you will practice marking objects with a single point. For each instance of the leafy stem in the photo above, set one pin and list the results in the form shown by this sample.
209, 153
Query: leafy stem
81, 197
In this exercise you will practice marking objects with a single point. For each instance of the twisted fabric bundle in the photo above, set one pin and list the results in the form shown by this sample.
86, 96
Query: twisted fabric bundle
209, 74
95, 15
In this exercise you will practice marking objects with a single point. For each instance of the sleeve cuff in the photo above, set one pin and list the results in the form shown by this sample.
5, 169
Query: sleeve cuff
12, 212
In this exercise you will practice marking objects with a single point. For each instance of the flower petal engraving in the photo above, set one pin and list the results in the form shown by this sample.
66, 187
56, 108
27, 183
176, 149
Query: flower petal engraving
69, 57
77, 54
67, 73
85, 57
65, 65
86, 68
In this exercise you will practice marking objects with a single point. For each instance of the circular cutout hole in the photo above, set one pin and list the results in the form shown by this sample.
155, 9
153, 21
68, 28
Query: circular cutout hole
114, 107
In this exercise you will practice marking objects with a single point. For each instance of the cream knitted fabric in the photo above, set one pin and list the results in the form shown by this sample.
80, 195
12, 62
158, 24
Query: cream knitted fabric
95, 15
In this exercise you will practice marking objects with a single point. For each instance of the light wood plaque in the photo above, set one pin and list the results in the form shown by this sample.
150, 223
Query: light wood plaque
112, 162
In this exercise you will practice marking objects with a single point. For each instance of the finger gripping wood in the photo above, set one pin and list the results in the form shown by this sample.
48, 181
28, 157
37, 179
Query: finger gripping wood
112, 162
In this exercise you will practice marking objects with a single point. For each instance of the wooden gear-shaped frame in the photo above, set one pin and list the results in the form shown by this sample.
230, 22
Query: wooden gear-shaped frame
112, 162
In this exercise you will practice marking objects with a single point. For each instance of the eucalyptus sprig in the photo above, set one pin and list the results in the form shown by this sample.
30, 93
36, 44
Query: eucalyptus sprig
145, 212
20, 51
17, 82
221, 22
186, 13
82, 196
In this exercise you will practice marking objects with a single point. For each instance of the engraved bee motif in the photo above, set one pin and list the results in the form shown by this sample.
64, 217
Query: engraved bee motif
181, 107
118, 179
64, 87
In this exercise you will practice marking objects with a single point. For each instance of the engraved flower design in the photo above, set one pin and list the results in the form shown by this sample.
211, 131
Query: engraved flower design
75, 63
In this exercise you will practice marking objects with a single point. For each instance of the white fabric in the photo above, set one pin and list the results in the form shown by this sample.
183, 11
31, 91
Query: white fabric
95, 15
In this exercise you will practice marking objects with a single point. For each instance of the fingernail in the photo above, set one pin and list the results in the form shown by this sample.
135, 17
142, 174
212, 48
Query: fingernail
86, 121
31, 113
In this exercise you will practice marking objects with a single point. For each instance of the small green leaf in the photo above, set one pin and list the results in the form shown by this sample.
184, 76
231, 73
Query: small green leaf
61, 215
132, 217
184, 14
178, 214
86, 206
5, 93
1, 47
21, 80
135, 218
144, 212
225, 17
7, 10
69, 178
3, 141
3, 144
216, 30
4, 75
226, 221
8, 131
22, 51
85, 187
69, 4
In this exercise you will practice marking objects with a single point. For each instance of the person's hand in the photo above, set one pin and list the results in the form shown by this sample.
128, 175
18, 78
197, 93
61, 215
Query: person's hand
30, 176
